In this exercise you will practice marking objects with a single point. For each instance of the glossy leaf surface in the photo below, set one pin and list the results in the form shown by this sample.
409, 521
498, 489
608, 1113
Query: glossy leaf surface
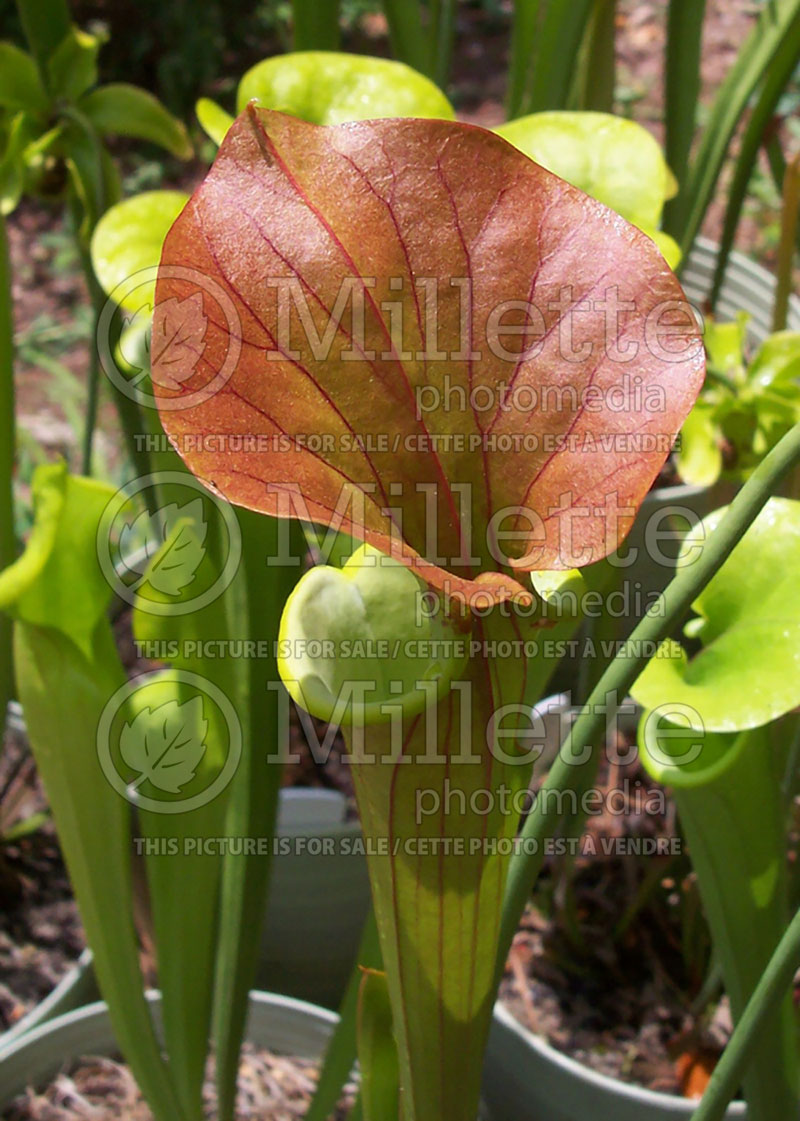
328, 88
614, 160
745, 406
128, 239
748, 670
432, 431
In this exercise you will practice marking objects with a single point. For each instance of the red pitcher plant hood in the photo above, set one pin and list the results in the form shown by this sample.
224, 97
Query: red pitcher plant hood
397, 324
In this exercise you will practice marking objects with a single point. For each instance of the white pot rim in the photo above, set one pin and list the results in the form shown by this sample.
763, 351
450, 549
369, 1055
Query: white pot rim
593, 1080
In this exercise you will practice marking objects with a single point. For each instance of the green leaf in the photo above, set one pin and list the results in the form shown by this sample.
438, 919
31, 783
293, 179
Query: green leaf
20, 84
359, 628
120, 109
746, 674
340, 1054
57, 582
727, 791
407, 35
377, 1050
596, 76
12, 166
761, 115
778, 25
546, 37
128, 239
176, 533
164, 745
88, 175
682, 80
254, 616
213, 119
72, 68
45, 23
315, 25
699, 459
8, 448
776, 364
614, 160
66, 681
327, 88
186, 936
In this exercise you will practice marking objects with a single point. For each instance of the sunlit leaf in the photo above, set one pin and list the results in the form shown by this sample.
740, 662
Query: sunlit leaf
128, 240
748, 670
213, 119
613, 159
328, 88
366, 210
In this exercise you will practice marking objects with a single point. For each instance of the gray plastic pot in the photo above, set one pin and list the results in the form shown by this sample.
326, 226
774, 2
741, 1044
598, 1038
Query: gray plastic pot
746, 287
76, 988
278, 1023
318, 900
525, 1079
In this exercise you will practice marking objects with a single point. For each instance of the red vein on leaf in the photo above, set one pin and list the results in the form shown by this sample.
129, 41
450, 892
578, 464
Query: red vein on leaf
292, 361
578, 413
433, 454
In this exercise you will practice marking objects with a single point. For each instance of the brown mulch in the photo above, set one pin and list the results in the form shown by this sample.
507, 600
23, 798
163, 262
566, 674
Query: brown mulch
271, 1088
611, 955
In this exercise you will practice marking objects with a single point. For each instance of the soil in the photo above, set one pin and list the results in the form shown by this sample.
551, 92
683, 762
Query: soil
271, 1088
611, 957
41, 935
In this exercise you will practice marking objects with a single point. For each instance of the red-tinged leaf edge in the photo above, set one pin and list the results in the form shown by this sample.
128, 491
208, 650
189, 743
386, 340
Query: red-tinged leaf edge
310, 210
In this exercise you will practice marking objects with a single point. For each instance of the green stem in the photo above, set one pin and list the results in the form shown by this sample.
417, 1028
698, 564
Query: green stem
97, 297
7, 445
734, 826
682, 82
442, 38
614, 685
600, 69
769, 992
789, 229
316, 25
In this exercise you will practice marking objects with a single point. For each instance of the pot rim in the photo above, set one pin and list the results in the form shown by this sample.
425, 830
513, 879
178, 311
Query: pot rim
593, 1079
299, 1010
